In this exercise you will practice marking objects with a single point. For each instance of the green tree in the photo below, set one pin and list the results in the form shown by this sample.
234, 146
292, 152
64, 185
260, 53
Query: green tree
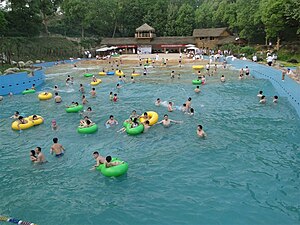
272, 16
47, 10
185, 20
172, 12
3, 22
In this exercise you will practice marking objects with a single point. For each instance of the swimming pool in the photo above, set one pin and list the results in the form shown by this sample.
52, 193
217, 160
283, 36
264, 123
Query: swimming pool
245, 172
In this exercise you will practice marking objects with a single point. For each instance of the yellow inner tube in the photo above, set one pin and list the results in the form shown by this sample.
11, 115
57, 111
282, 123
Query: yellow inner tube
119, 73
45, 96
102, 73
135, 74
198, 67
38, 121
153, 118
25, 126
96, 83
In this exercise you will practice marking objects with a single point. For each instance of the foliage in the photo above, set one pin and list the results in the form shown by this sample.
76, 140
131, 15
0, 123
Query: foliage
247, 50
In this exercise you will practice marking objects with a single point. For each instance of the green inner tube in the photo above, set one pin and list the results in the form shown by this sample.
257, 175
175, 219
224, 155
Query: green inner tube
114, 171
133, 131
30, 91
146, 64
87, 130
74, 109
88, 75
197, 82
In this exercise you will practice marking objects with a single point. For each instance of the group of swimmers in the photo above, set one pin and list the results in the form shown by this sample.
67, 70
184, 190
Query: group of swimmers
263, 100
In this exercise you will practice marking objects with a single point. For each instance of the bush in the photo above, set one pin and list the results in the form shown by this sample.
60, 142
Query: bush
247, 50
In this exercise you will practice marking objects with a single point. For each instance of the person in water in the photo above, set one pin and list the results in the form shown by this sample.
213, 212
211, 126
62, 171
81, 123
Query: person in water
188, 104
222, 78
57, 148
86, 122
57, 98
93, 92
132, 80
263, 100
115, 98
40, 156
109, 163
260, 94
197, 89
200, 131
81, 88
16, 115
191, 113
111, 96
33, 157
146, 126
21, 120
157, 102
170, 107
84, 100
275, 99
99, 159
166, 122
111, 121
54, 125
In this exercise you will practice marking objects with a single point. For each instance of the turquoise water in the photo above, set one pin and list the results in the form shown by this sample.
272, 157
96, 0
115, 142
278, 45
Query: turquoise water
245, 172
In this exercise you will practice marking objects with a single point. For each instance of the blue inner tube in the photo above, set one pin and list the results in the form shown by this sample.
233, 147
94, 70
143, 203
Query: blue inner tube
110, 73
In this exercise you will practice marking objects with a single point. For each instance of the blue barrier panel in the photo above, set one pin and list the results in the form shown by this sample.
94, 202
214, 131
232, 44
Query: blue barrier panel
18, 82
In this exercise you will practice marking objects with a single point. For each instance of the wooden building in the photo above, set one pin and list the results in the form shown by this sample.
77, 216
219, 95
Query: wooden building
145, 40
212, 37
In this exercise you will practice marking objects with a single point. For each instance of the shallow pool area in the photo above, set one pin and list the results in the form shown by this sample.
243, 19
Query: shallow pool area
245, 172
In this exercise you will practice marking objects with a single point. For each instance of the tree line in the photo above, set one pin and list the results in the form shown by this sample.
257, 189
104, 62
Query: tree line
254, 20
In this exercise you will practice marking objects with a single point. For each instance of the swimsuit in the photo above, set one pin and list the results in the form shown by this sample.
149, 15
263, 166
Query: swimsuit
59, 155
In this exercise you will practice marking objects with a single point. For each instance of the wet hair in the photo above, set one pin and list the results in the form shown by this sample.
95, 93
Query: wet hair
88, 122
85, 117
108, 158
158, 99
165, 115
20, 117
39, 149
115, 94
197, 86
276, 97
222, 76
17, 112
55, 140
56, 93
55, 86
34, 116
123, 75
83, 96
145, 114
96, 153
184, 104
260, 92
263, 97
189, 99
200, 126
118, 84
93, 89
32, 152
192, 110
89, 108
80, 85
110, 93
133, 111
111, 116
120, 77
76, 103
147, 122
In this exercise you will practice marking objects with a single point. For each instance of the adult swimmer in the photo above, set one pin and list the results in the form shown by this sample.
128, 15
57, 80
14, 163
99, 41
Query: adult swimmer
99, 159
57, 148
166, 122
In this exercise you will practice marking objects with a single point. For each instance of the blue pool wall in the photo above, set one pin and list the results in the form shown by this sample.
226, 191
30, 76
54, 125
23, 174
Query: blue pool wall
18, 82
287, 88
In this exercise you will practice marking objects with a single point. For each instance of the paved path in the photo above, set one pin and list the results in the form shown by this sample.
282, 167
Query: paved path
287, 88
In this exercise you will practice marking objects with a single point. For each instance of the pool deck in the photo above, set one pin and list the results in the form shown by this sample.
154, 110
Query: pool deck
286, 88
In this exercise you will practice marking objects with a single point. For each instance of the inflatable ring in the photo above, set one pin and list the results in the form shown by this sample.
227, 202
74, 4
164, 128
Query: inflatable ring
38, 121
153, 118
45, 96
114, 171
197, 82
135, 74
198, 67
110, 73
74, 109
119, 73
102, 73
96, 83
30, 91
88, 75
25, 126
133, 131
87, 130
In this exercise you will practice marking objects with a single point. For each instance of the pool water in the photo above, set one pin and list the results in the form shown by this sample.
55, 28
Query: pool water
245, 172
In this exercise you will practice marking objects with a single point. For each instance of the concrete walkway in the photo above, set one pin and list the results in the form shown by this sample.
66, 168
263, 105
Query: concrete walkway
287, 88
